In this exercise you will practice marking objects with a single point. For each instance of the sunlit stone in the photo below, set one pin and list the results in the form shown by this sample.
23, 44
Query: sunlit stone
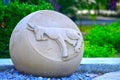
46, 43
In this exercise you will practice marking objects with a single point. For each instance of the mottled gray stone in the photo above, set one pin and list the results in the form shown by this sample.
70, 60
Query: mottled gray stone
109, 76
99, 65
5, 64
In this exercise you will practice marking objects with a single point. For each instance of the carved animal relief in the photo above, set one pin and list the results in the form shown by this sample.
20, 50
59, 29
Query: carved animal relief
60, 35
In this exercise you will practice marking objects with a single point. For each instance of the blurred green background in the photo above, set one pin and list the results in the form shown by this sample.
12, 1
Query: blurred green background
98, 20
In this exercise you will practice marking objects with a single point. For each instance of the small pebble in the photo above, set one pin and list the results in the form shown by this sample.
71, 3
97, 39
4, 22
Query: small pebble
13, 74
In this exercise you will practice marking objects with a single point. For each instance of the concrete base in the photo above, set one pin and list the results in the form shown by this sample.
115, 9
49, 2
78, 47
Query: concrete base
5, 64
109, 76
94, 65
99, 65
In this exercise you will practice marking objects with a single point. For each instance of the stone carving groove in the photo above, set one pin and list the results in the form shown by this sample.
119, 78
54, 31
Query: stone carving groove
60, 35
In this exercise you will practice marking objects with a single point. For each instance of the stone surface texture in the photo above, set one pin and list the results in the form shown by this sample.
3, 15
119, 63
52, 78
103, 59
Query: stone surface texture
46, 43
109, 76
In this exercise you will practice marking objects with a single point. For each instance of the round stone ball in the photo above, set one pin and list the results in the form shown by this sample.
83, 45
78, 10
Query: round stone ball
46, 43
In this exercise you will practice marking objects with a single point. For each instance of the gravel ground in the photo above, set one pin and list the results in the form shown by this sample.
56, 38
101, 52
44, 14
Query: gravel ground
13, 74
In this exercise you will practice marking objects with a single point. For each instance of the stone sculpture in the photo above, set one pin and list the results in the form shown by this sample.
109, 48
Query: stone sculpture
46, 43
